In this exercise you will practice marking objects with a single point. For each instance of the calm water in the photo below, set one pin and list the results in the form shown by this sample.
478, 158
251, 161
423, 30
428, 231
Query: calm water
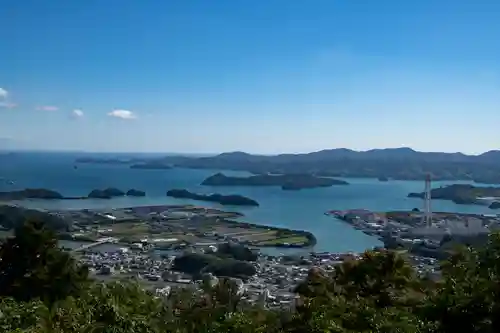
293, 209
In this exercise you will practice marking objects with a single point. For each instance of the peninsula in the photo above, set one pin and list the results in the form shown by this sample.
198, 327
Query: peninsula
233, 200
464, 194
163, 227
286, 182
393, 163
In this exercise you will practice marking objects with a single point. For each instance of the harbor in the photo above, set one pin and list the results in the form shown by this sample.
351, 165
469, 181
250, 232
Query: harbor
421, 231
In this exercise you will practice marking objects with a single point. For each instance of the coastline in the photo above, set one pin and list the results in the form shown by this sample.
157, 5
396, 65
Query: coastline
411, 231
205, 225
302, 210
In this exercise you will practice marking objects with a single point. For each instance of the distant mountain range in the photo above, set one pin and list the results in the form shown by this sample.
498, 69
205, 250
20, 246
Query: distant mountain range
393, 163
344, 153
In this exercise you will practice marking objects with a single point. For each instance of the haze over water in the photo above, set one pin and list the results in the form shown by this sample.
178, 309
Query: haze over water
292, 209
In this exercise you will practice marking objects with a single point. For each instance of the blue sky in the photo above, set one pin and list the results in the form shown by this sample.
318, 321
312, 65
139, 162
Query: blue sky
259, 76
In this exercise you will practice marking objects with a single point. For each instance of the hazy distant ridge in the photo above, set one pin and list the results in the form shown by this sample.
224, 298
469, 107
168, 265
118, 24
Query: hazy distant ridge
388, 153
396, 163
341, 154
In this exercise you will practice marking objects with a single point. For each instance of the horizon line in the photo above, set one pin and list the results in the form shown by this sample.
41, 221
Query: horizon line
31, 150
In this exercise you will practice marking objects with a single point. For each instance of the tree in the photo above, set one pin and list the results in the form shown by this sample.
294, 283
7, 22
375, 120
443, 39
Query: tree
373, 294
468, 297
33, 266
12, 217
383, 276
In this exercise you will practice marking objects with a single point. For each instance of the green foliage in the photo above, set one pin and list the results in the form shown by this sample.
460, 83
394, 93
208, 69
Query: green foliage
468, 299
374, 294
32, 266
198, 263
236, 251
12, 217
193, 263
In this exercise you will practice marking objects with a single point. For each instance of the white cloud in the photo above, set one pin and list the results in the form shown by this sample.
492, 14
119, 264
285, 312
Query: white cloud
77, 113
47, 108
123, 114
7, 105
3, 93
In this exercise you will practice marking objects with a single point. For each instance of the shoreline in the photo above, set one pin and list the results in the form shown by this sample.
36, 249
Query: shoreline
410, 231
302, 210
187, 224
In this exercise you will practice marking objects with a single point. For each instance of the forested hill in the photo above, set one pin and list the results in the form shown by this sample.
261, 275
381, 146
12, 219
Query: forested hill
395, 163
12, 217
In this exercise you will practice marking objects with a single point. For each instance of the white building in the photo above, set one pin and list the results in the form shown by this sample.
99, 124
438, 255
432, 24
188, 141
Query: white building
163, 292
123, 250
137, 246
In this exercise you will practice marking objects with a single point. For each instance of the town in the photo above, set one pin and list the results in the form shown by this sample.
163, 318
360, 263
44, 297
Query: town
162, 246
272, 285
143, 243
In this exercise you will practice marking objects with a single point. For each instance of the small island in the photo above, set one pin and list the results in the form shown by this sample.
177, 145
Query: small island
233, 200
383, 179
494, 205
151, 166
286, 182
31, 193
463, 194
46, 194
135, 193
106, 193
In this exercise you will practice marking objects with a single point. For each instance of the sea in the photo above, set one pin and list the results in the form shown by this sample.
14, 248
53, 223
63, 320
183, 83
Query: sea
302, 210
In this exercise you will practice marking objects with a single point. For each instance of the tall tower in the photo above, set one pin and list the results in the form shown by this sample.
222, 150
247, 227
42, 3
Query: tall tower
427, 217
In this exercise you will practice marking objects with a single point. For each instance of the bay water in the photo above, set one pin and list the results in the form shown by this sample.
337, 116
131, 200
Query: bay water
303, 210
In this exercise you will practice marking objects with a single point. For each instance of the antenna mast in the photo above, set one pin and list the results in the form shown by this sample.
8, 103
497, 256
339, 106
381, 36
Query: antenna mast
427, 217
